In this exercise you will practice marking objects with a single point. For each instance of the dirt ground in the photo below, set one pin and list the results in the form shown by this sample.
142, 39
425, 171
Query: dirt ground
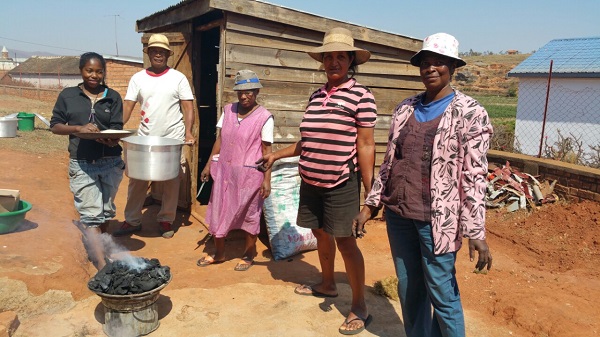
545, 280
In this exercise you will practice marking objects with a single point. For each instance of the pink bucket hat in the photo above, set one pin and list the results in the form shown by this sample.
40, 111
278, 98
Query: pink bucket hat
442, 44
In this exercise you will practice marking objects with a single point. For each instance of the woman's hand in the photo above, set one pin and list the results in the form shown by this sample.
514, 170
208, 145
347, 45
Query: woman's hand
358, 223
485, 257
88, 128
205, 174
265, 188
266, 162
108, 141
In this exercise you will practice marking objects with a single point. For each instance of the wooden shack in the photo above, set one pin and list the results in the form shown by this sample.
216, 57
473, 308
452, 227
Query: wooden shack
213, 39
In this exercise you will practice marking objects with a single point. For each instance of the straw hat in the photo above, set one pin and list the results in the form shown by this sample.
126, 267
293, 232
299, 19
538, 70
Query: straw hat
442, 44
246, 80
158, 41
339, 39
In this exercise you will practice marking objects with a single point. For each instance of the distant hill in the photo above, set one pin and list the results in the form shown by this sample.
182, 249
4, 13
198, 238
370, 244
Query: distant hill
487, 74
20, 54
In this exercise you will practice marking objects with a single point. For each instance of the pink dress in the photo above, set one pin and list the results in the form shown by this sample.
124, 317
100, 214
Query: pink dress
235, 202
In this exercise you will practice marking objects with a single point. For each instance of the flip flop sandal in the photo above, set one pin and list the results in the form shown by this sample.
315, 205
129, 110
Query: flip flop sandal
365, 321
243, 266
312, 292
203, 262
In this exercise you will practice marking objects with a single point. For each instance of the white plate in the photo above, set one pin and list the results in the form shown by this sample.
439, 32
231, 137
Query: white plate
110, 134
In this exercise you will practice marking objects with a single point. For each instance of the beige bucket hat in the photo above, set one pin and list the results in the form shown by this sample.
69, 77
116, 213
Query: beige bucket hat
339, 39
246, 80
439, 43
158, 41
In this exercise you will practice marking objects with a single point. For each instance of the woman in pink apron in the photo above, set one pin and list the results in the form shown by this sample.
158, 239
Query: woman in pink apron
239, 189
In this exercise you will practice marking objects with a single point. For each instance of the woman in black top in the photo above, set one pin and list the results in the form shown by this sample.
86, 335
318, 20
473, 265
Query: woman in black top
95, 166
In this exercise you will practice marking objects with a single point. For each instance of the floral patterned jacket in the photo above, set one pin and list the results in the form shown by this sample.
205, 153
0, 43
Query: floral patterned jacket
458, 170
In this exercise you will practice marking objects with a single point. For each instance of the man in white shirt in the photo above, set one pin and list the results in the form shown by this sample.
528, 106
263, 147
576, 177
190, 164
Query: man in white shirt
167, 110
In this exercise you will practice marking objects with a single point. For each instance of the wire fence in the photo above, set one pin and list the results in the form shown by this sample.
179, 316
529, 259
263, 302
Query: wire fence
557, 119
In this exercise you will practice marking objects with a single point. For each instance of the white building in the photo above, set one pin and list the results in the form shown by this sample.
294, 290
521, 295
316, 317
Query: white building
6, 63
48, 71
567, 105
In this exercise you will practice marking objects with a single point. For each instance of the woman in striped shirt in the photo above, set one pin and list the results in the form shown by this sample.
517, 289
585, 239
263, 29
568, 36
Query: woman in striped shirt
337, 151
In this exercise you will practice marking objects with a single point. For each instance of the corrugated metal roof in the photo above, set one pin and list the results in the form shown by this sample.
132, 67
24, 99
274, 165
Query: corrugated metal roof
577, 57
178, 4
129, 59
68, 65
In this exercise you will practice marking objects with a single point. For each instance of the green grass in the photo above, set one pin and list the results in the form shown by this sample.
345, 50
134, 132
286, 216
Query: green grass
38, 141
502, 110
508, 124
498, 106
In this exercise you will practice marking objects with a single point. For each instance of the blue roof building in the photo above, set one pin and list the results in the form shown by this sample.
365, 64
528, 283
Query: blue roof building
577, 57
565, 108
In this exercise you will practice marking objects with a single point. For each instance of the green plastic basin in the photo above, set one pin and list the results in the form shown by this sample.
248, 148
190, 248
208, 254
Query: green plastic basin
9, 221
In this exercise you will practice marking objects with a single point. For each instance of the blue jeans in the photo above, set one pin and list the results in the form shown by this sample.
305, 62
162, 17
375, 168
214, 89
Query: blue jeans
424, 280
94, 185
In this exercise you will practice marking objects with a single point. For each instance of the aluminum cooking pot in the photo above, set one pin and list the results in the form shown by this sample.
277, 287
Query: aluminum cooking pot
152, 158
8, 127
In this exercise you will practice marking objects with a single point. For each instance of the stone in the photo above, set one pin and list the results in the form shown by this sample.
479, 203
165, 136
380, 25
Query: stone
9, 322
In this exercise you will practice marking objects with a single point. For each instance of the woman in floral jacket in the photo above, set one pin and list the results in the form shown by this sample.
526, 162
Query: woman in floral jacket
432, 183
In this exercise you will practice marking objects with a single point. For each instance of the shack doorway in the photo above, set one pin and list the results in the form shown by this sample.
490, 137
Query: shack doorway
205, 64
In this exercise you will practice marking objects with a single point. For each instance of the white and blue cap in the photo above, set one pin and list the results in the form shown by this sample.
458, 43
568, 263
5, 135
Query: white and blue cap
246, 80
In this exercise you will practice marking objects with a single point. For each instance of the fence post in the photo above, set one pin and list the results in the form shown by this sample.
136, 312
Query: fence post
545, 110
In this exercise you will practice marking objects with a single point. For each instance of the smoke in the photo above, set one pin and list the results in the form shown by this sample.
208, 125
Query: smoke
111, 250
114, 251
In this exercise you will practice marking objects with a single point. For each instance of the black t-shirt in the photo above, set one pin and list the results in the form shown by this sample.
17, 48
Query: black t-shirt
74, 107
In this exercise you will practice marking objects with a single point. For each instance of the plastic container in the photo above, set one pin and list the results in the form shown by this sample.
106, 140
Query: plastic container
8, 127
26, 121
9, 221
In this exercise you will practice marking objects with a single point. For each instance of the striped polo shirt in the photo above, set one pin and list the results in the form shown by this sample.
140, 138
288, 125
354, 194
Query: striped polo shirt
328, 132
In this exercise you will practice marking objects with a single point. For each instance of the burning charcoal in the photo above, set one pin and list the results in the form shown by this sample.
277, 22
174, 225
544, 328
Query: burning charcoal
149, 284
104, 282
133, 276
161, 273
120, 290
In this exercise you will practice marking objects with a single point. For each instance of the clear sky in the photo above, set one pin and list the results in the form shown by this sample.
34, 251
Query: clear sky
70, 27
